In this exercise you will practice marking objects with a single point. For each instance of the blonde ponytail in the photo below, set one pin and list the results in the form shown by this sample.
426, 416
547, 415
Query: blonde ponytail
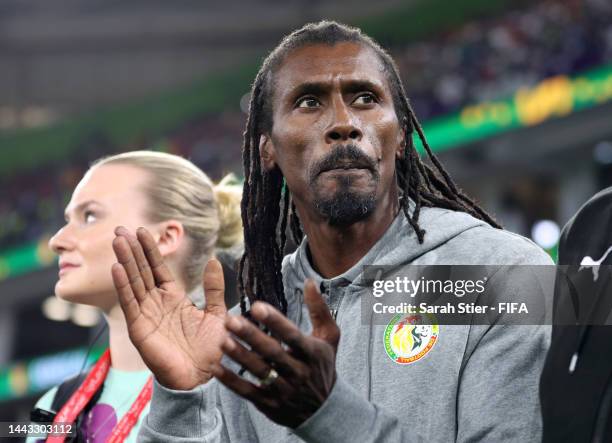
228, 193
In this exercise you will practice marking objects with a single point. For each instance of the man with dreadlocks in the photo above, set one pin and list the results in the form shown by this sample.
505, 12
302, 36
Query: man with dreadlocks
328, 153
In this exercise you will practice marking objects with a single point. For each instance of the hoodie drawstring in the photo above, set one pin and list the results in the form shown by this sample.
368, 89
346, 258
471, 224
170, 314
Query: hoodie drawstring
369, 354
586, 327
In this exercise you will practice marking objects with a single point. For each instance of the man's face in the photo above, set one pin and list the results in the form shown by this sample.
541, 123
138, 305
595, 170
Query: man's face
335, 134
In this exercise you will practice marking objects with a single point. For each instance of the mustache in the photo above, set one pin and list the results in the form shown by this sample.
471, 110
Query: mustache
344, 157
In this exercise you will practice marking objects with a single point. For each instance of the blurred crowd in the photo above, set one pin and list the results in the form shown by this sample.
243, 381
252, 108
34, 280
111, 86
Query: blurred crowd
482, 60
490, 59
32, 203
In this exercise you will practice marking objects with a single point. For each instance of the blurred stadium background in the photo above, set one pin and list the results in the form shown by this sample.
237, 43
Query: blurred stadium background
515, 97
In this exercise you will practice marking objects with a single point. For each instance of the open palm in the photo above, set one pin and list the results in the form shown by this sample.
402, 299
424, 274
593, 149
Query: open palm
176, 340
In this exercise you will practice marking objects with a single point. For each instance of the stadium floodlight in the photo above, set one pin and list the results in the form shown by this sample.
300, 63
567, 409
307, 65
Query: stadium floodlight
56, 309
545, 233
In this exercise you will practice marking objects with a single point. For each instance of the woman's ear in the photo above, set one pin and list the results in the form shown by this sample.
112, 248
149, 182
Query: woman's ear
170, 237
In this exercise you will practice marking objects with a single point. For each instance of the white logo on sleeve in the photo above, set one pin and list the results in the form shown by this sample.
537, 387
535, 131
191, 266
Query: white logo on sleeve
588, 262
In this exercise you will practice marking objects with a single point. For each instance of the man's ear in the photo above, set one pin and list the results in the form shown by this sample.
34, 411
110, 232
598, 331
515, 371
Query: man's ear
171, 235
401, 143
267, 152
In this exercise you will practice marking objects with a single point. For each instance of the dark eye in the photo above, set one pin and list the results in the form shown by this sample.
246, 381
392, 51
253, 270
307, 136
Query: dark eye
89, 217
307, 102
365, 99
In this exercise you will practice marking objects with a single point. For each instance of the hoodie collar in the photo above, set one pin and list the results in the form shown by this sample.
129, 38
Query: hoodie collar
351, 274
397, 246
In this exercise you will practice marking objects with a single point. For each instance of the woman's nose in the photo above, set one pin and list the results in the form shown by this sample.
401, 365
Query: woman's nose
62, 241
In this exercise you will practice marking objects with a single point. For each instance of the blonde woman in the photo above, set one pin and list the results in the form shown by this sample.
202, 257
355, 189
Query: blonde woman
190, 219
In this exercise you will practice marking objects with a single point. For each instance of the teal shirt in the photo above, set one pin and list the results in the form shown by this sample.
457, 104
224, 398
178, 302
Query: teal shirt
120, 391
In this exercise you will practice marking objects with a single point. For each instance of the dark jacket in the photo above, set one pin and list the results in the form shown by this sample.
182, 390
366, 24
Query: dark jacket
576, 384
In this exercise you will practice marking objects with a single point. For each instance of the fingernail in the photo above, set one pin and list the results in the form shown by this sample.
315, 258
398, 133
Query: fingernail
234, 323
261, 310
229, 344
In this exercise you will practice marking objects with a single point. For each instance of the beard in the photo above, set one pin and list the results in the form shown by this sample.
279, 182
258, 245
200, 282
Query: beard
348, 204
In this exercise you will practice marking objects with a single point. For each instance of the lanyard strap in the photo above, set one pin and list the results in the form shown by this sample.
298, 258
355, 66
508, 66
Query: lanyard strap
86, 391
123, 428
79, 399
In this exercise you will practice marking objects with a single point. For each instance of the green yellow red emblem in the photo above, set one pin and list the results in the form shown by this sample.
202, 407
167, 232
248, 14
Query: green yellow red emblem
409, 338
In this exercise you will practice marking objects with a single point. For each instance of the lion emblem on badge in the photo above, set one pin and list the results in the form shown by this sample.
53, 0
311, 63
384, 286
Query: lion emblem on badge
409, 338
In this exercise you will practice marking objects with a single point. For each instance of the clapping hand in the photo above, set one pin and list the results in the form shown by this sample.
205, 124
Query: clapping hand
183, 345
295, 378
177, 341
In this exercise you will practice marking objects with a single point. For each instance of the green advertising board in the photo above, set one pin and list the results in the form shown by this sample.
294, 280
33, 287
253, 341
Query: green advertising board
552, 98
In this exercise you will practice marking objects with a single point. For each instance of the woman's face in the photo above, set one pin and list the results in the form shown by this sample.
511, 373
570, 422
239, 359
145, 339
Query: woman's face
106, 197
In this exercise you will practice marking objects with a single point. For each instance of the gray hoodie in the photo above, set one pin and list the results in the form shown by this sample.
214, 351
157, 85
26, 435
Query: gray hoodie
477, 384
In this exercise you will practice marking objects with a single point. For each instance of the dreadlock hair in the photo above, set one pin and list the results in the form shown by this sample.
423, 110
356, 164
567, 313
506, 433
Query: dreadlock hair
267, 207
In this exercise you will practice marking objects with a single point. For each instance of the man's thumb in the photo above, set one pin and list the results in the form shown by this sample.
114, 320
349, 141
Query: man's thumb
323, 324
214, 286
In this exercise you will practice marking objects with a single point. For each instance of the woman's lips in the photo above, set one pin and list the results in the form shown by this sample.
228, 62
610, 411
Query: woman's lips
65, 267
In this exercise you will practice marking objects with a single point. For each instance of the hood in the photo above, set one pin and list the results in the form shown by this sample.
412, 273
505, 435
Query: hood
587, 237
586, 241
